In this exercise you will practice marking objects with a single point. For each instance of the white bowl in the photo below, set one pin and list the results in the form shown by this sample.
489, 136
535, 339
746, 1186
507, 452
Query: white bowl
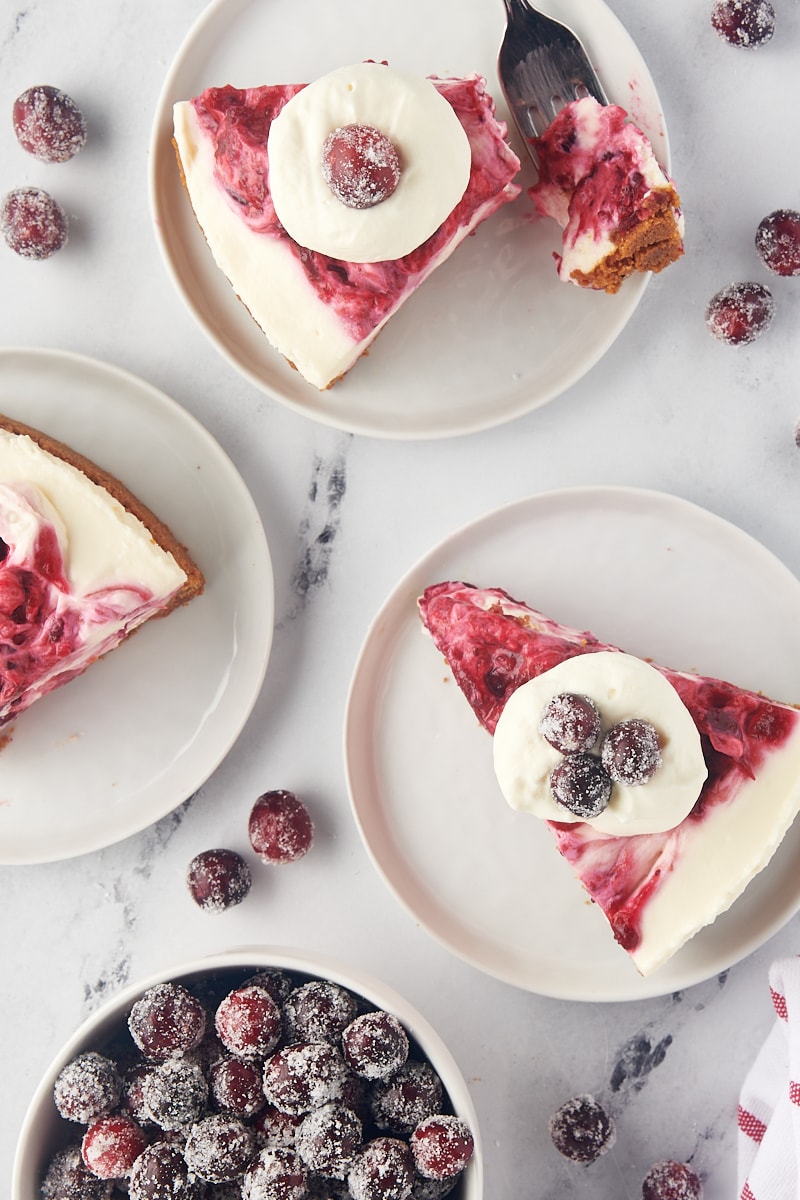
42, 1131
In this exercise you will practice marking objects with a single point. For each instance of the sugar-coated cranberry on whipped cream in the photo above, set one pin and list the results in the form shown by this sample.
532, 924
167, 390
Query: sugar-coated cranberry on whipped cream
622, 689
600, 180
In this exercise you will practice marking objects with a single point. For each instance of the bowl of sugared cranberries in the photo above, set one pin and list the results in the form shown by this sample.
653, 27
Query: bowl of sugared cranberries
265, 1074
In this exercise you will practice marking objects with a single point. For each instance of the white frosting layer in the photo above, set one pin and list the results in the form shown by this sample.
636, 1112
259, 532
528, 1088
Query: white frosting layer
101, 542
622, 687
430, 140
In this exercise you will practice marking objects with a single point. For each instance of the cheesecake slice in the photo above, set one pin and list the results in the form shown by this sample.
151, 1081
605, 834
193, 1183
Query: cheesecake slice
656, 889
322, 308
83, 563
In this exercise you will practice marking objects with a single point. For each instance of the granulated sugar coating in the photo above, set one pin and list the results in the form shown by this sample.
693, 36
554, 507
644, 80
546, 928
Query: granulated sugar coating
778, 241
328, 1138
33, 224
318, 1011
167, 1020
375, 1045
48, 124
219, 1148
740, 313
89, 1086
668, 1180
248, 1022
582, 1130
747, 23
280, 827
68, 1178
399, 1103
175, 1094
304, 1076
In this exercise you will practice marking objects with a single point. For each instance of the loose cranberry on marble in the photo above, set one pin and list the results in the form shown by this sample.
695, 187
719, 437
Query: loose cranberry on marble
218, 879
318, 1011
399, 1103
160, 1173
360, 165
375, 1045
383, 1170
669, 1180
248, 1022
442, 1145
582, 1130
167, 1020
778, 241
581, 784
48, 124
280, 827
236, 1086
740, 313
631, 752
219, 1148
111, 1146
305, 1075
570, 723
747, 23
33, 224
276, 1175
87, 1087
68, 1178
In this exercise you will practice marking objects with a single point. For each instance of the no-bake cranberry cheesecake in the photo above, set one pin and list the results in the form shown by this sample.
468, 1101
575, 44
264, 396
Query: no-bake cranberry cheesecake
600, 180
83, 563
326, 205
666, 791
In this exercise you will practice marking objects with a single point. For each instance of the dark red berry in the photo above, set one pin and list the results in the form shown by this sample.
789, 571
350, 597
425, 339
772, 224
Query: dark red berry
631, 752
275, 1128
68, 1178
740, 313
570, 723
778, 241
166, 1020
745, 23
277, 982
236, 1086
248, 1022
48, 124
160, 1173
219, 1147
318, 1011
175, 1094
399, 1103
304, 1075
218, 879
87, 1087
33, 224
280, 827
670, 1180
375, 1045
111, 1146
383, 1170
442, 1146
276, 1175
580, 784
360, 165
328, 1138
582, 1130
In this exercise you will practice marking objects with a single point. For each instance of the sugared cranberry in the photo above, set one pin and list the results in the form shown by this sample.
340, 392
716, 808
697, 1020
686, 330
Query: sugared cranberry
33, 224
166, 1020
304, 1076
280, 827
160, 1173
275, 1128
360, 165
570, 723
582, 1130
745, 23
48, 124
277, 982
328, 1138
383, 1170
442, 1146
740, 313
175, 1094
399, 1103
248, 1022
375, 1045
219, 1148
133, 1082
631, 752
68, 1178
87, 1087
236, 1086
778, 241
432, 1189
580, 784
218, 879
318, 1011
111, 1146
668, 1180
275, 1175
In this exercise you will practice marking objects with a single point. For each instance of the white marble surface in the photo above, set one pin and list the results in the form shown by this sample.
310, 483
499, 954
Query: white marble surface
667, 408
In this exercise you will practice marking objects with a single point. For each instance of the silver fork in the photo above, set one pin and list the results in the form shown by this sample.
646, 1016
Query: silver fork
542, 66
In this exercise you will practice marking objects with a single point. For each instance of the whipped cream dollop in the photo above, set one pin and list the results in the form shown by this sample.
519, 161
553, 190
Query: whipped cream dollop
622, 687
432, 145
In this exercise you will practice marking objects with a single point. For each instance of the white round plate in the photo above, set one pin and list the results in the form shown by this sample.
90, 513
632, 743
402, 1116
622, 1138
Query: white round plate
650, 573
493, 333
121, 746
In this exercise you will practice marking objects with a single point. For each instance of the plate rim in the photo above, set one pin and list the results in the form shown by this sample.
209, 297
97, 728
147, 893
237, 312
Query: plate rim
121, 376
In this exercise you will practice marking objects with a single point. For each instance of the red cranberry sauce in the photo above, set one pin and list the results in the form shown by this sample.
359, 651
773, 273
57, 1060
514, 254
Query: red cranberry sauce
362, 294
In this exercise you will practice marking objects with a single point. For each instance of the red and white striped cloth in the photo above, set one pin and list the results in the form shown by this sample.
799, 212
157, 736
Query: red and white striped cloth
769, 1105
